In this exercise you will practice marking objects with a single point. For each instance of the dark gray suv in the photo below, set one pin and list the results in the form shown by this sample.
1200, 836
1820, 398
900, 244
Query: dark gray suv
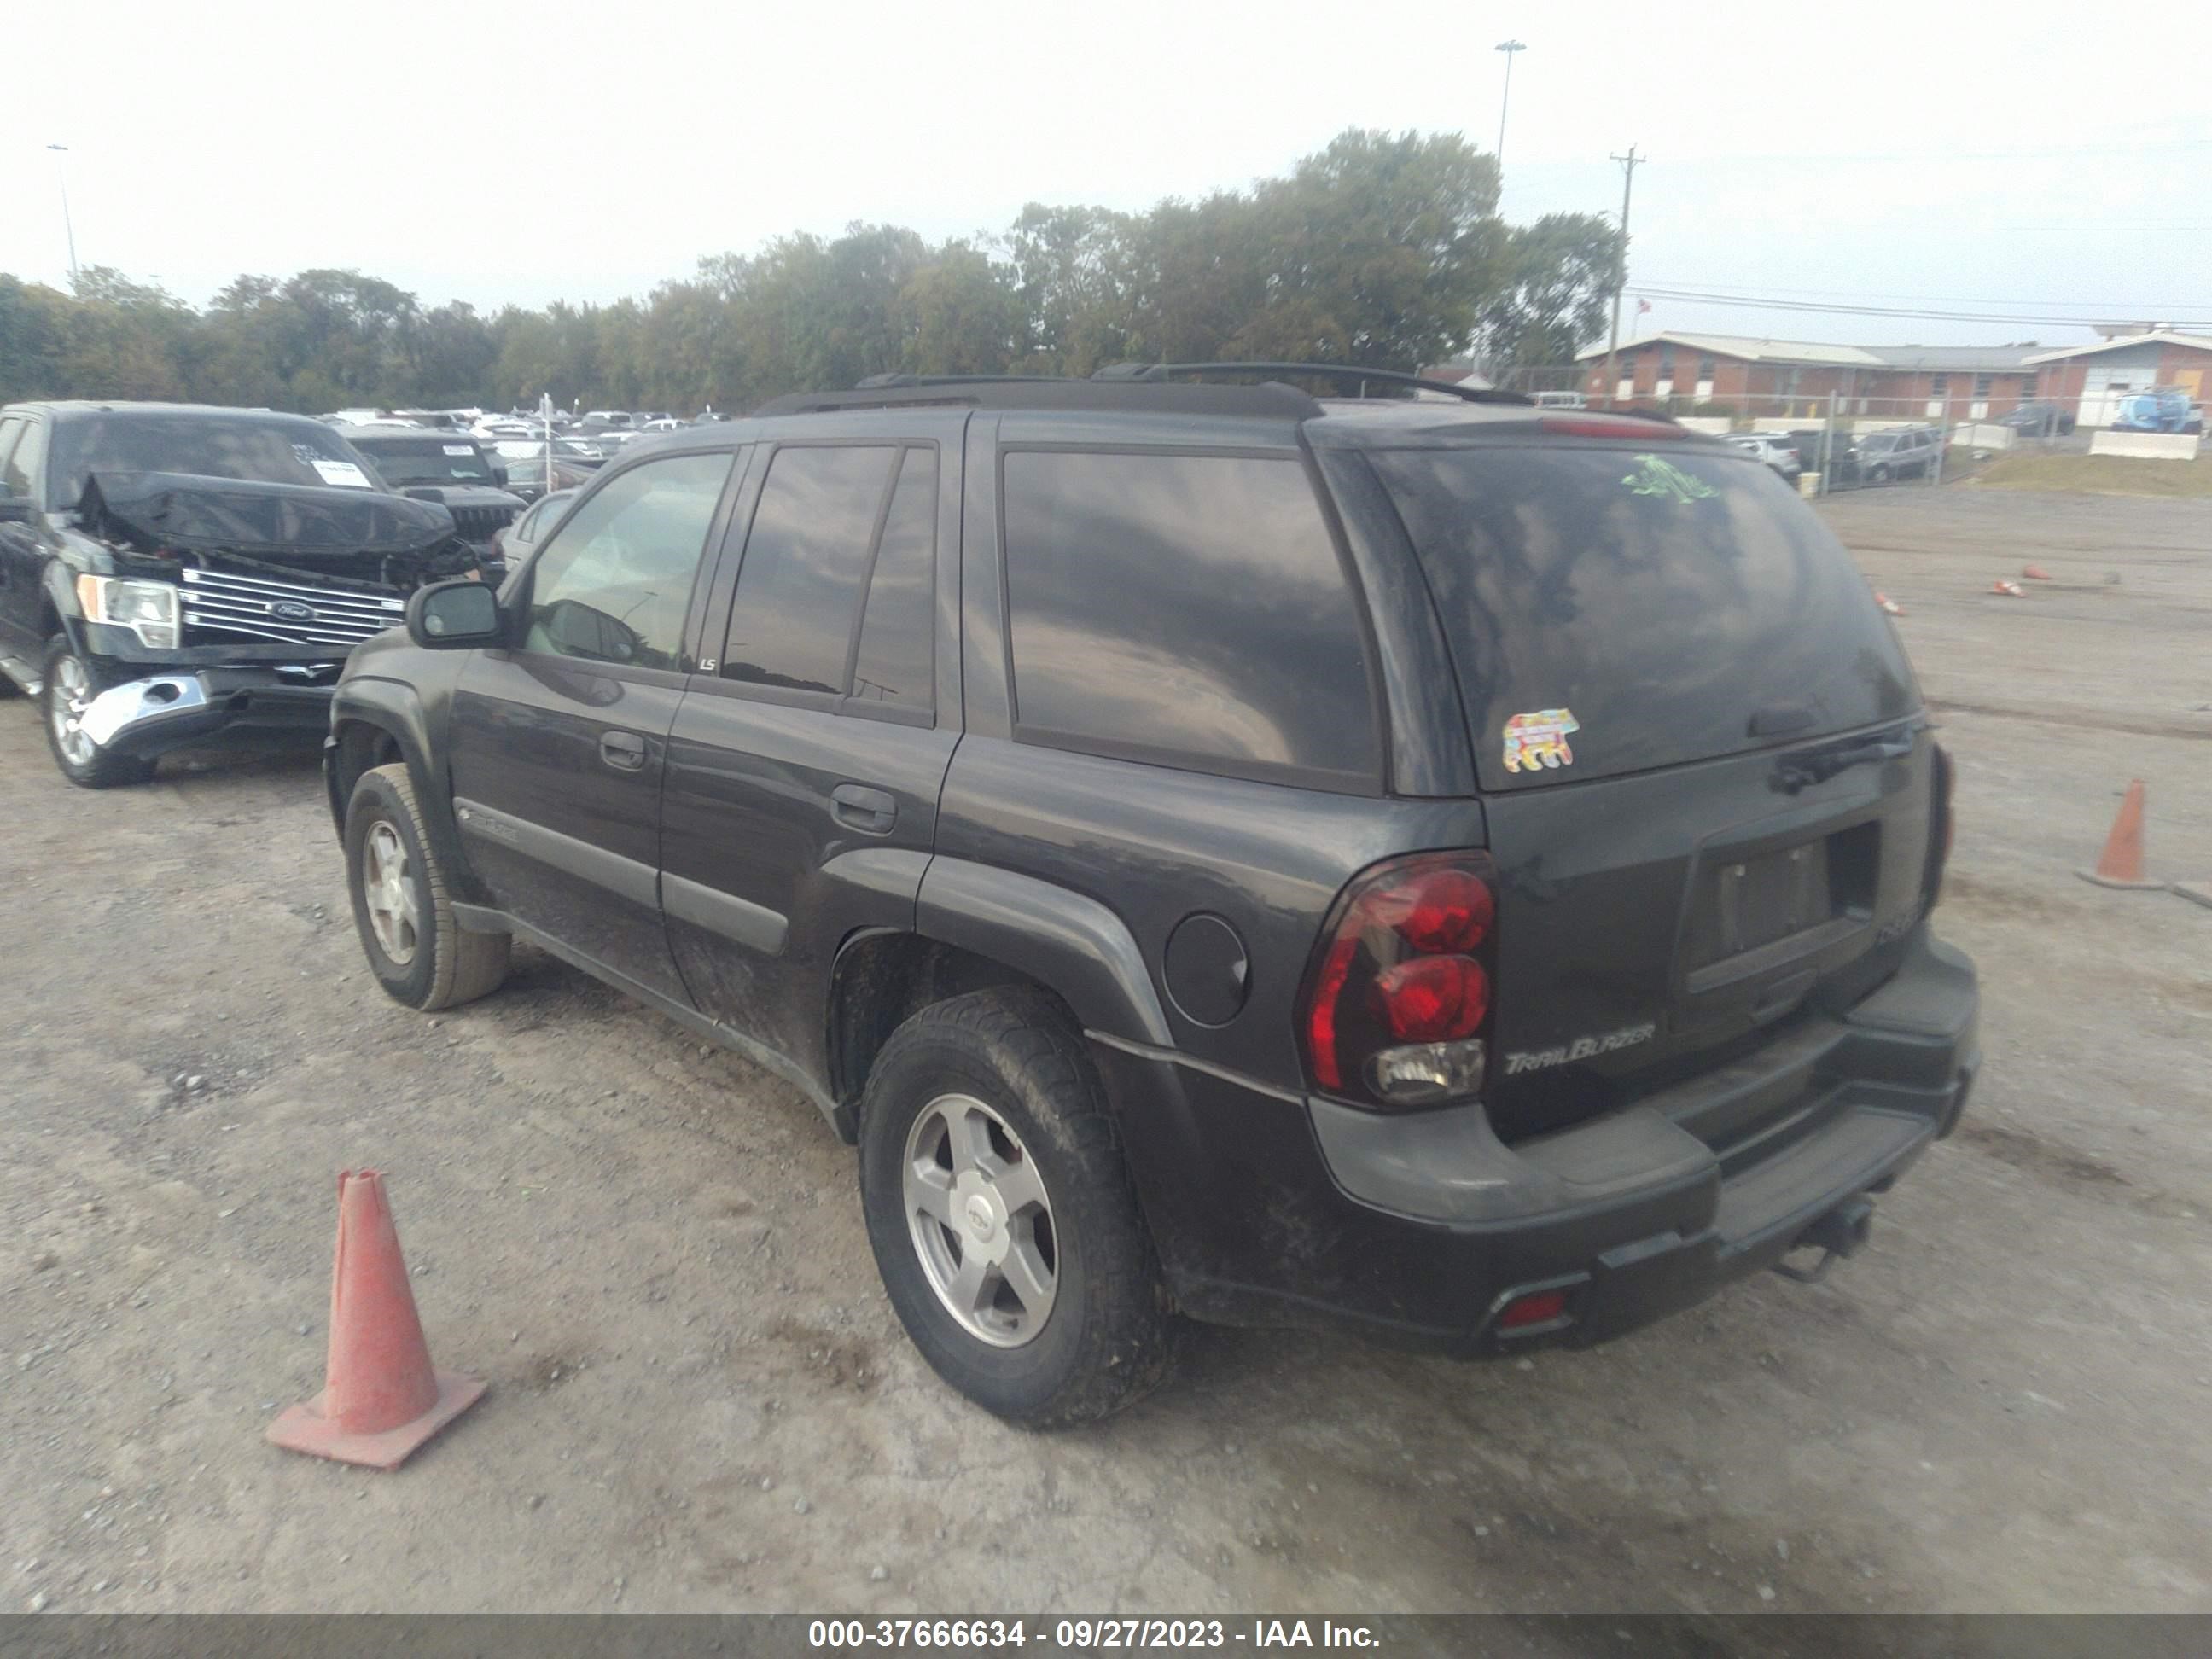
1453, 870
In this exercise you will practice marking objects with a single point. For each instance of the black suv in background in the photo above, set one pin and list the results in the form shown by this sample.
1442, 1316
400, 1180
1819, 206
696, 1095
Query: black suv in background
172, 575
1458, 871
449, 468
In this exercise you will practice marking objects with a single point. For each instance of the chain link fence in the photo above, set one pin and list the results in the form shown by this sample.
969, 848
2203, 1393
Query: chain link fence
1842, 440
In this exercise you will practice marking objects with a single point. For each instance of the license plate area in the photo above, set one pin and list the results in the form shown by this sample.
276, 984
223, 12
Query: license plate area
1752, 914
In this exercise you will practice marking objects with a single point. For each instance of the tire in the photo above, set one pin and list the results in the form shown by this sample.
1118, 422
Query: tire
1879, 475
1011, 1059
65, 682
419, 954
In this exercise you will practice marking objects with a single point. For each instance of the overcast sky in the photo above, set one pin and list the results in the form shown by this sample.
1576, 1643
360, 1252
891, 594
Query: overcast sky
2058, 158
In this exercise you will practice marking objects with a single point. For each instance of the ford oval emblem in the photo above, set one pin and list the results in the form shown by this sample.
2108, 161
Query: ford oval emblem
292, 610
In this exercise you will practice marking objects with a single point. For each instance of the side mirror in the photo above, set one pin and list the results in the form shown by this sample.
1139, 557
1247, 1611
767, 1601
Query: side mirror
17, 509
455, 617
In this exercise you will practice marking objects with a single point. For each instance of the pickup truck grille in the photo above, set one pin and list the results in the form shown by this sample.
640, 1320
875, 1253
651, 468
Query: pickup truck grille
221, 607
481, 523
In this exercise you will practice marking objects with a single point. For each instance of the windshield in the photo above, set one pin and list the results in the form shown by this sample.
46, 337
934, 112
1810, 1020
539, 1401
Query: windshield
427, 461
1611, 610
265, 450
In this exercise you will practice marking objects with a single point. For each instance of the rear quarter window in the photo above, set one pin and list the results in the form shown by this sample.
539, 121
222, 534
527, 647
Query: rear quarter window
1185, 609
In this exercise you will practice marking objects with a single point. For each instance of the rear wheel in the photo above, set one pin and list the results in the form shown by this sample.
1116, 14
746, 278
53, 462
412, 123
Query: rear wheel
401, 909
1001, 1214
68, 684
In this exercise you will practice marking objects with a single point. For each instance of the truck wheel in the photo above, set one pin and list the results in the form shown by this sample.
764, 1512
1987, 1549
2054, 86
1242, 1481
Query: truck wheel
67, 687
420, 955
1002, 1213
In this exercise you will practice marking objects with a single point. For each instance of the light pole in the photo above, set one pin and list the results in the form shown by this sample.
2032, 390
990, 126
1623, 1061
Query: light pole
1628, 165
1509, 47
62, 173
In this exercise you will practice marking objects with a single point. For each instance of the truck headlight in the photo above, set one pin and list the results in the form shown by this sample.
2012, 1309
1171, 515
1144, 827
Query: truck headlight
146, 609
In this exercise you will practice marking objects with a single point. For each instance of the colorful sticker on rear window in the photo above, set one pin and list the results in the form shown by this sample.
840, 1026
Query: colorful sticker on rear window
1656, 477
1540, 738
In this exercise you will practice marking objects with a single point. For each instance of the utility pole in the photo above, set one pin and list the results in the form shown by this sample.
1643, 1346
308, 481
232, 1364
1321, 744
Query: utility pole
1628, 165
1509, 47
61, 172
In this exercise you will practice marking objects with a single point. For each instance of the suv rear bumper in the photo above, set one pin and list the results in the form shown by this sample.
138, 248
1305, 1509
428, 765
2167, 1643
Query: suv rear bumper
1422, 1228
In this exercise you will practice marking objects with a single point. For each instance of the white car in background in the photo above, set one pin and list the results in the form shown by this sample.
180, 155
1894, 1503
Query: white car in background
1776, 452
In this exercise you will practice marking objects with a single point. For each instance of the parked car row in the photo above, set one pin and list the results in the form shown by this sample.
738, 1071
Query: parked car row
1851, 460
1174, 867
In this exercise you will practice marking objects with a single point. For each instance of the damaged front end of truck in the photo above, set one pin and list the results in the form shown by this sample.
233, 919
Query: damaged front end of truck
209, 609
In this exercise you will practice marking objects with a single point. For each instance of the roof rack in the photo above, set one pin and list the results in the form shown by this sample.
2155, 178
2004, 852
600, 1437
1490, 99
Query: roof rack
1271, 401
901, 382
1323, 371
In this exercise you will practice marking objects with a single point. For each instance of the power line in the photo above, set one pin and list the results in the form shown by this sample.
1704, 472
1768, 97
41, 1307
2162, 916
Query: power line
1743, 303
1855, 158
2135, 307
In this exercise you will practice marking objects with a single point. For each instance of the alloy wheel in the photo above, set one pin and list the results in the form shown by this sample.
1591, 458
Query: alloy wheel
981, 1221
69, 697
388, 889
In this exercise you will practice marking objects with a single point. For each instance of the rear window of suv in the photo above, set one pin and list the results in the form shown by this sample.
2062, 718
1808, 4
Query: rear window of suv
1611, 611
1189, 609
432, 460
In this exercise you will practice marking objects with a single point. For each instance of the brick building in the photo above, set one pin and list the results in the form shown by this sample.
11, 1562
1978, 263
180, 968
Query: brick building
1934, 383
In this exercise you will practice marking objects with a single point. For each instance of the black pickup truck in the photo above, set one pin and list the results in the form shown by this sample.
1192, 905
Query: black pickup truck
172, 575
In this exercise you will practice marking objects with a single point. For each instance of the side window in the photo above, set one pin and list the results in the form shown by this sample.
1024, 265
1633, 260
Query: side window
614, 585
805, 563
24, 468
541, 514
895, 662
1186, 609
11, 429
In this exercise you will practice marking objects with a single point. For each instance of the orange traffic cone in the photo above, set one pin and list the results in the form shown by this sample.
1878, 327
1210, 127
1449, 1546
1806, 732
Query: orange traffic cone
2035, 572
1887, 604
2122, 863
2012, 589
380, 1400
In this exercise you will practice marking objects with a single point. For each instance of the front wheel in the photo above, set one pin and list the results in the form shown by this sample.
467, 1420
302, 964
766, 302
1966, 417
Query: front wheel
67, 686
1879, 475
1002, 1213
401, 909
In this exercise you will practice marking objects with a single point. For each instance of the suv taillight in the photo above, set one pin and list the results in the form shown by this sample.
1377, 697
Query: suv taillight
1397, 1002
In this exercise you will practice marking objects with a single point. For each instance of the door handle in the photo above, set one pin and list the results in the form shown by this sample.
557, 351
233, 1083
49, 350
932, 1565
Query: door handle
624, 750
870, 812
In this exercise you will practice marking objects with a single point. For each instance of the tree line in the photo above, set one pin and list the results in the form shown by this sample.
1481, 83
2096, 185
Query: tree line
1383, 250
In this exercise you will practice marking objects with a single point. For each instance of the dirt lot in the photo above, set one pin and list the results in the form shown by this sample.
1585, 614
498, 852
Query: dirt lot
701, 1401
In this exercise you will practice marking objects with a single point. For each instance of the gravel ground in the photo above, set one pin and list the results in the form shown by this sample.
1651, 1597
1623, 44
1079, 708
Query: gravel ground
699, 1400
